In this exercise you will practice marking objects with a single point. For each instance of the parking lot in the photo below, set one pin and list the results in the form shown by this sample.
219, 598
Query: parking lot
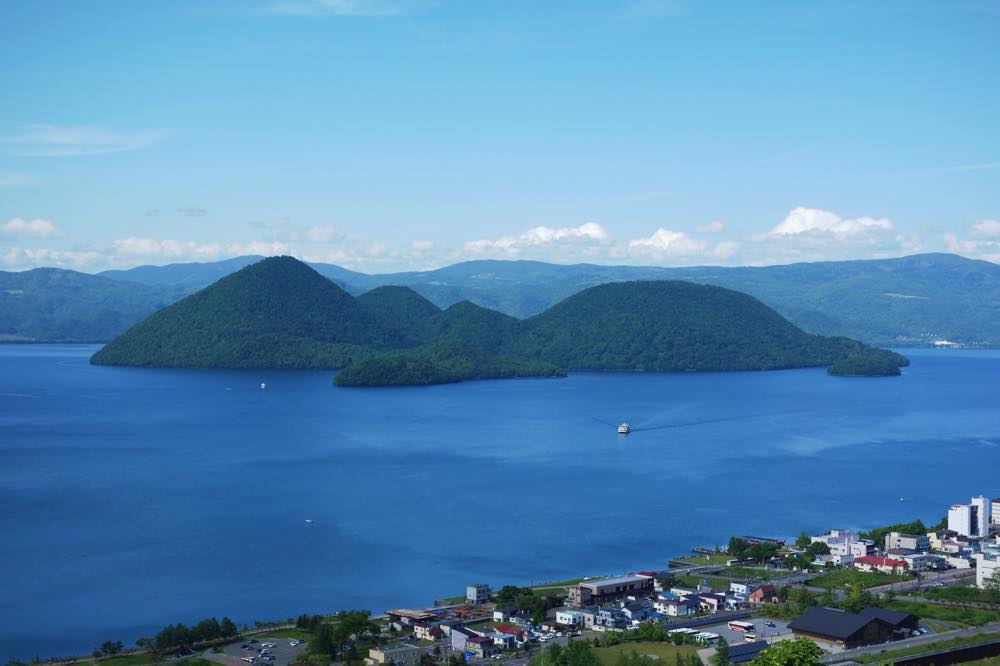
283, 651
764, 632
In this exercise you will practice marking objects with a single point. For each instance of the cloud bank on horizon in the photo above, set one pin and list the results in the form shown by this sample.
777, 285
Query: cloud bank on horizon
388, 135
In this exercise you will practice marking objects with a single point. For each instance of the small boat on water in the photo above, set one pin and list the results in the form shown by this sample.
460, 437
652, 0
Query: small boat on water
263, 386
309, 521
624, 429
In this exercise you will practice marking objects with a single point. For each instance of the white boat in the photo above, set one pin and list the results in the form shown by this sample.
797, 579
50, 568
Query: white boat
263, 386
309, 521
624, 429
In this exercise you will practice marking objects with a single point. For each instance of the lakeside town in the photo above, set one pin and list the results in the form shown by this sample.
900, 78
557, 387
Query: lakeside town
905, 594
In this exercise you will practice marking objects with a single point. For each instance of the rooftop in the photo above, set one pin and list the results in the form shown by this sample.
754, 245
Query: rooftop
830, 623
617, 580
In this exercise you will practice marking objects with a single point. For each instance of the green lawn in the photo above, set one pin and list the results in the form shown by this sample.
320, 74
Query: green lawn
963, 616
718, 558
747, 573
957, 594
562, 583
665, 651
841, 577
889, 657
286, 633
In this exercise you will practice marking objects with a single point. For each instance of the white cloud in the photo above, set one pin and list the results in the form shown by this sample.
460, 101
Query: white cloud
537, 237
986, 228
975, 249
55, 141
716, 227
725, 250
18, 257
152, 249
346, 8
666, 243
18, 228
818, 222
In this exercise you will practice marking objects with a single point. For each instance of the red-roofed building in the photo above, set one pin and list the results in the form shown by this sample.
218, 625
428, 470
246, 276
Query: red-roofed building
883, 564
510, 629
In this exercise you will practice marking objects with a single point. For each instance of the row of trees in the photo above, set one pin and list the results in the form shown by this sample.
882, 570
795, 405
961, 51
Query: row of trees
758, 552
524, 598
176, 636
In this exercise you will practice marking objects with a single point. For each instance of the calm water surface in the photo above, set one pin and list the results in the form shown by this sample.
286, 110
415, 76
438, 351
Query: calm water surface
131, 498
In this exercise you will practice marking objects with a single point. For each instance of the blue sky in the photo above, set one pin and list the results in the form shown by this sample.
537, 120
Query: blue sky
406, 134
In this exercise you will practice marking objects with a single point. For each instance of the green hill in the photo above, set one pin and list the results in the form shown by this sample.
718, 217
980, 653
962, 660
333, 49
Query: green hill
56, 305
671, 326
399, 309
280, 313
868, 363
277, 313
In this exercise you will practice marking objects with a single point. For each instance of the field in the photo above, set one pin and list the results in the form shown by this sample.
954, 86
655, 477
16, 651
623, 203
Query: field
841, 577
717, 558
957, 615
889, 657
958, 594
665, 652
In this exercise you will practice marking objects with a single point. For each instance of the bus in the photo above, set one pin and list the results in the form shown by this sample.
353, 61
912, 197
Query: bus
736, 625
749, 637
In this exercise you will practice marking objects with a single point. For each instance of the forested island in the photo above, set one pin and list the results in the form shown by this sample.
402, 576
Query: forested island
280, 313
869, 363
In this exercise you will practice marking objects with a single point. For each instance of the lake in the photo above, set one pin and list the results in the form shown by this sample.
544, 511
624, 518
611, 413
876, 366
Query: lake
136, 498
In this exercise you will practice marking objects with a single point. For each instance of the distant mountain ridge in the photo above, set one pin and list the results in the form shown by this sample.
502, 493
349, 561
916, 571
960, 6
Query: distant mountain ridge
906, 301
280, 313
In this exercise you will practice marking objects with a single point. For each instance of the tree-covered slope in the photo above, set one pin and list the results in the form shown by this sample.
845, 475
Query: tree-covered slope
868, 363
56, 305
484, 329
277, 313
399, 309
441, 362
670, 326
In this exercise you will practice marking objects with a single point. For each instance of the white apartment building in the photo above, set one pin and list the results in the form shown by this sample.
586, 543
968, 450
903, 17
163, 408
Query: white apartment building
844, 545
972, 519
986, 568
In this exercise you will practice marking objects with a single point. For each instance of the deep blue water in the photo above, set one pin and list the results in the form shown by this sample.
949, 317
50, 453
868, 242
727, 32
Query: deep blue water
131, 498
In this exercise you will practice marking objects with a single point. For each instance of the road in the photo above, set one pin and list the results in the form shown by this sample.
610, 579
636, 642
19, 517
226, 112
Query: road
946, 577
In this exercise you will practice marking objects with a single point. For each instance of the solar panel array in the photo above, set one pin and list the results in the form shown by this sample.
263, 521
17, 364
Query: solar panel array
740, 654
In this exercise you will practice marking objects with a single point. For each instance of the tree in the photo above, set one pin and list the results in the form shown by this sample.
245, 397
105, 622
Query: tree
802, 541
800, 652
228, 628
737, 548
991, 587
818, 548
722, 657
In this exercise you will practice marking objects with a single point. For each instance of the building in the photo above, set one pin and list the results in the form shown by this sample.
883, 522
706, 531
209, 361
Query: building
477, 594
972, 519
400, 655
844, 546
987, 569
610, 618
883, 564
480, 647
638, 610
668, 603
569, 617
609, 589
765, 594
995, 512
427, 632
903, 624
840, 629
895, 540
713, 603
459, 636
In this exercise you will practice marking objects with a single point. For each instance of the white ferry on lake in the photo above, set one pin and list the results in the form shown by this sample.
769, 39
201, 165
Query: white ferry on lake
624, 429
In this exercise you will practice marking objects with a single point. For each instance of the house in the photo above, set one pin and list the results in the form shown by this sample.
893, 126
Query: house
844, 546
589, 615
519, 634
936, 538
713, 603
840, 629
480, 647
903, 624
503, 641
569, 617
477, 593
883, 564
668, 603
502, 614
459, 637
765, 594
521, 617
427, 631
610, 618
609, 589
407, 617
400, 655
637, 611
